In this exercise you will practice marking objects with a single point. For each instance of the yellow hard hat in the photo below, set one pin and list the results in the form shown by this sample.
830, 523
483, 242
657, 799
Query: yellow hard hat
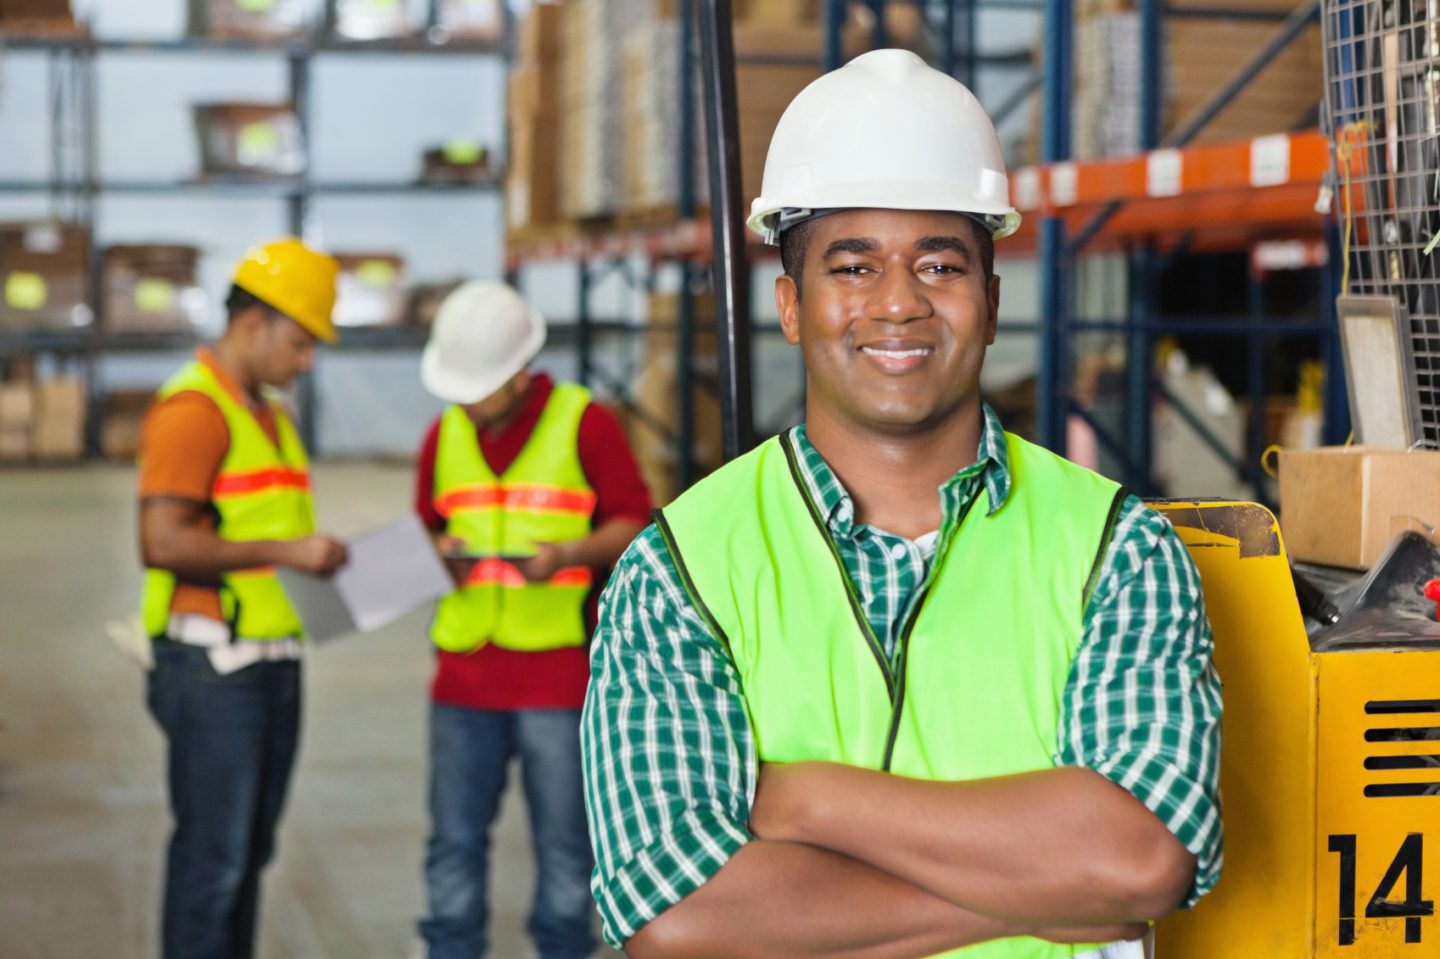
294, 279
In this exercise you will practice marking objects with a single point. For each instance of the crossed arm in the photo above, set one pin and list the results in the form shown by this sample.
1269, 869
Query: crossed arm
851, 862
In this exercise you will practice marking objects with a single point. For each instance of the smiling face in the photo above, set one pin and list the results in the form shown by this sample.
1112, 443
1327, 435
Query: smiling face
895, 319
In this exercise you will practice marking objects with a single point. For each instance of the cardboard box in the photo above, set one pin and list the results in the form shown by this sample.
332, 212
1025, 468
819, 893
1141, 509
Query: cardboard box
532, 187
124, 416
17, 406
1341, 506
58, 432
533, 88
370, 290
151, 288
371, 20
469, 19
14, 446
44, 281
651, 426
538, 37
249, 139
37, 18
249, 20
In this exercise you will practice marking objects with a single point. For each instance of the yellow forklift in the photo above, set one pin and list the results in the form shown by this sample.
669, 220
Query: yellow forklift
1330, 777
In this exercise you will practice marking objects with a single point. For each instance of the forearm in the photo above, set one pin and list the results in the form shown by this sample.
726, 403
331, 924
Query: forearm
774, 899
604, 544
202, 555
1057, 847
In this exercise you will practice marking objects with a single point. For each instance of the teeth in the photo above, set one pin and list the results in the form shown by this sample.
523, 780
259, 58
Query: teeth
897, 354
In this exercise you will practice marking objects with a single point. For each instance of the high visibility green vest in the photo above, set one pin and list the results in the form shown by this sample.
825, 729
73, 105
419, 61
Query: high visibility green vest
261, 492
542, 497
976, 687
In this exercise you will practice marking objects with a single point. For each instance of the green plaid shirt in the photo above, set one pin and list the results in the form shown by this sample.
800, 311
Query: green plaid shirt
669, 756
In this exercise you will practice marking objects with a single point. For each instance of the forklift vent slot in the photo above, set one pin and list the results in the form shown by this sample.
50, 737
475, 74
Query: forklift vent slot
1402, 762
1385, 707
1403, 734
1385, 790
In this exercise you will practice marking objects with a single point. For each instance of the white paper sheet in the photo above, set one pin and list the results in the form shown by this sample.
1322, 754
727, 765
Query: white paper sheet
391, 571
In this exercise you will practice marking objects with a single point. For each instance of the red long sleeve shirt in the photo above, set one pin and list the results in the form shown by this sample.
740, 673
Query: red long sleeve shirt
506, 679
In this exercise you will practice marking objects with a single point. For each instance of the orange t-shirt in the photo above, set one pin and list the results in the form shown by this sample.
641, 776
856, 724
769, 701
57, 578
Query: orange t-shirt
183, 442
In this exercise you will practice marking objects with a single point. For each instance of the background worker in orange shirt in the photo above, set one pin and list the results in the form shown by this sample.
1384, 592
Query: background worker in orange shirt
224, 499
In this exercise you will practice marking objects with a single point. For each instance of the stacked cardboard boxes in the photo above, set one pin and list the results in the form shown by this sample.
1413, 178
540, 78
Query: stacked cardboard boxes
45, 18
249, 19
370, 290
124, 415
652, 426
254, 139
469, 19
151, 288
371, 20
1201, 54
44, 282
57, 433
532, 186
17, 413
591, 126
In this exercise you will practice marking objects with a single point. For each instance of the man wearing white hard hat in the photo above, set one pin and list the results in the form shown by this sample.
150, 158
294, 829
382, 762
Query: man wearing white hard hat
897, 683
532, 491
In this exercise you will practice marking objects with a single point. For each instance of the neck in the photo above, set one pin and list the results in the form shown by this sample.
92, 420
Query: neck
894, 478
230, 358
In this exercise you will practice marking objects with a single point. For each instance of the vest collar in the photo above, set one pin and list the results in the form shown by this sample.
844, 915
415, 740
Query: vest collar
992, 467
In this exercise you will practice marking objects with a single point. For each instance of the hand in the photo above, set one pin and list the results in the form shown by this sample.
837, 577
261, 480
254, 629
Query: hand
449, 546
316, 554
548, 560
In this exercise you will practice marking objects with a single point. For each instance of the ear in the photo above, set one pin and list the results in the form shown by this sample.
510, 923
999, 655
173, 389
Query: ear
787, 302
522, 380
992, 322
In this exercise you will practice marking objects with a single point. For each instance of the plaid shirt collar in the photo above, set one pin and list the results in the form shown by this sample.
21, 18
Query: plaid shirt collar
992, 466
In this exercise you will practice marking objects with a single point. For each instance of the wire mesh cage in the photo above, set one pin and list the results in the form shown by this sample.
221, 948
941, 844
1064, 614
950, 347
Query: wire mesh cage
1382, 97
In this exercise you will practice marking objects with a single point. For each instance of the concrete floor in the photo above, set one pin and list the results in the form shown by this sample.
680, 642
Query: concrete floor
83, 816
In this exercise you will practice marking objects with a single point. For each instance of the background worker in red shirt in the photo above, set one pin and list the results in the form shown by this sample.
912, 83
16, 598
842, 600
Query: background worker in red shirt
536, 488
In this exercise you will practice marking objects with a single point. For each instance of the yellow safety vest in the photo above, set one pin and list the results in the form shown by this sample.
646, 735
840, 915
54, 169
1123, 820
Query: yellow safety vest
261, 492
982, 665
542, 497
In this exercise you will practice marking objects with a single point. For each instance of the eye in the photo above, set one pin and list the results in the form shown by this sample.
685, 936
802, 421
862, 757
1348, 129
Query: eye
943, 269
850, 269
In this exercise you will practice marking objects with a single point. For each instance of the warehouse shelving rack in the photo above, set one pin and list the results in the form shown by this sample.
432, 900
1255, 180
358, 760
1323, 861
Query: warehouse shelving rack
75, 184
1251, 196
1227, 197
686, 244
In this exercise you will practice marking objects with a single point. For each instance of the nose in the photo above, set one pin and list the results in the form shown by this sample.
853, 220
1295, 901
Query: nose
898, 297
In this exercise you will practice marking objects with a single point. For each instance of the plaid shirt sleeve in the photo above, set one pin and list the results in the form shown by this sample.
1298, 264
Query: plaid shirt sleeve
1142, 705
668, 755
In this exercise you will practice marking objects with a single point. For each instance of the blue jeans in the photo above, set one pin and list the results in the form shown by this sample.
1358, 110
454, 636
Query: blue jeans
232, 742
470, 750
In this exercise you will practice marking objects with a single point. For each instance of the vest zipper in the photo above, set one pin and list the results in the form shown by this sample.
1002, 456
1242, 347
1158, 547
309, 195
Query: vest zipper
901, 670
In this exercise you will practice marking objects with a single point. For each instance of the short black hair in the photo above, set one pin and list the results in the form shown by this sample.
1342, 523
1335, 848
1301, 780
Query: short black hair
239, 300
795, 246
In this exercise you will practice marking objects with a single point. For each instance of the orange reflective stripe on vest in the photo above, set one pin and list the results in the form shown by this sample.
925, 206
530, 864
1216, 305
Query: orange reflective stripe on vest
499, 572
516, 497
260, 481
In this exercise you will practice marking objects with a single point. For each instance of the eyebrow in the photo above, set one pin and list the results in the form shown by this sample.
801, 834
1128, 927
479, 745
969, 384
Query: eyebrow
852, 245
935, 244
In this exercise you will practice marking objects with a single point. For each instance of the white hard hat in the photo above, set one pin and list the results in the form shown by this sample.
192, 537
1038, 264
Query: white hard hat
484, 334
884, 131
